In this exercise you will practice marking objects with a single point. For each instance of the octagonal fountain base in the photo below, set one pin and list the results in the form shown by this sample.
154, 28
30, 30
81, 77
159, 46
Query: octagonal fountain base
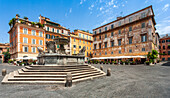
59, 59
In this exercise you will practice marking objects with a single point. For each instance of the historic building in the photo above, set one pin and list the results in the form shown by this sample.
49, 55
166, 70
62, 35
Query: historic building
3, 48
53, 30
164, 47
80, 39
25, 37
128, 37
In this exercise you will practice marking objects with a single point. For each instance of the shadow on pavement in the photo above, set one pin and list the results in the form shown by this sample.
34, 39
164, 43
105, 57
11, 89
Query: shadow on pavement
166, 63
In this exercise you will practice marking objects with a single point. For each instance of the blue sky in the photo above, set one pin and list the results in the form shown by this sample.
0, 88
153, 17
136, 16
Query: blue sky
80, 14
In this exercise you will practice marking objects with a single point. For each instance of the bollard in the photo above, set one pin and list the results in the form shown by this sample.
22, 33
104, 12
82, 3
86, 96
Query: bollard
108, 72
3, 72
68, 80
101, 68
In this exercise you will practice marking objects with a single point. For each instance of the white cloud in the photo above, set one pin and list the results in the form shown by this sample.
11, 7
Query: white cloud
81, 2
65, 14
146, 1
165, 8
70, 10
107, 20
91, 7
115, 6
163, 29
101, 8
111, 2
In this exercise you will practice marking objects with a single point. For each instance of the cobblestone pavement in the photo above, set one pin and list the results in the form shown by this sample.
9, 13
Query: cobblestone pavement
133, 81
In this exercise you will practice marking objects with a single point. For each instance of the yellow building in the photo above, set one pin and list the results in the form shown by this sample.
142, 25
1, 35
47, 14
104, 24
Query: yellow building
78, 40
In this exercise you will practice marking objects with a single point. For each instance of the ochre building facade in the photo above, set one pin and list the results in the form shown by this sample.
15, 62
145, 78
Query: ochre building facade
131, 36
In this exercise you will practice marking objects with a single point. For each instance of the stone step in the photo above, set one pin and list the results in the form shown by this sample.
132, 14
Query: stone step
36, 79
58, 66
87, 78
86, 75
88, 72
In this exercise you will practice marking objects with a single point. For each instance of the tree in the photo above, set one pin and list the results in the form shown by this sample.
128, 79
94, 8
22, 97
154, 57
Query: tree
6, 55
152, 56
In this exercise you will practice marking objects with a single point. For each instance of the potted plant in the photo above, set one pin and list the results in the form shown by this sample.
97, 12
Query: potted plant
33, 24
22, 64
108, 62
105, 62
133, 63
102, 62
115, 62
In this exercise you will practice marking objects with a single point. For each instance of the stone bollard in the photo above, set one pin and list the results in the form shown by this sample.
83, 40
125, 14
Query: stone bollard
3, 72
108, 72
128, 63
123, 63
101, 68
68, 80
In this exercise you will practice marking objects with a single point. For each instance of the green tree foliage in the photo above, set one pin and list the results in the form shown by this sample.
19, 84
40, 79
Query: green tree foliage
7, 55
152, 56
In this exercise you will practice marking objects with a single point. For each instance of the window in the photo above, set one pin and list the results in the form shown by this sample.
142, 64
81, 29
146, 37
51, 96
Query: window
119, 51
90, 48
163, 41
95, 54
74, 46
87, 36
74, 51
119, 32
83, 35
100, 45
105, 44
87, 53
112, 52
112, 43
40, 42
105, 28
74, 40
52, 29
87, 48
33, 32
90, 37
87, 42
163, 59
111, 33
25, 40
143, 38
112, 26
80, 47
130, 40
100, 37
119, 23
94, 32
130, 50
94, 46
143, 25
57, 37
48, 28
33, 49
83, 42
25, 31
41, 34
168, 52
159, 47
99, 30
163, 47
47, 36
130, 19
33, 41
57, 31
143, 15
52, 37
80, 40
119, 42
105, 35
79, 34
90, 43
95, 39
130, 29
168, 47
143, 49
58, 46
25, 49
168, 59
105, 53
100, 53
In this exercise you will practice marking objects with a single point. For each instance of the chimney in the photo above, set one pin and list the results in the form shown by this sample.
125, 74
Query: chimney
17, 16
88, 31
166, 35
119, 17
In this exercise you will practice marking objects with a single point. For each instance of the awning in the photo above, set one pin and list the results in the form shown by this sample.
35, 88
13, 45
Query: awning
119, 57
26, 58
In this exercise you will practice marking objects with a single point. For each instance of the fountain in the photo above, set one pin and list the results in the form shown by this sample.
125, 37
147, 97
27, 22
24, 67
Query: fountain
59, 57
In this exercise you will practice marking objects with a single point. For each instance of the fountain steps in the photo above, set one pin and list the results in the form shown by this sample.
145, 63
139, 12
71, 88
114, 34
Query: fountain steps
47, 74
